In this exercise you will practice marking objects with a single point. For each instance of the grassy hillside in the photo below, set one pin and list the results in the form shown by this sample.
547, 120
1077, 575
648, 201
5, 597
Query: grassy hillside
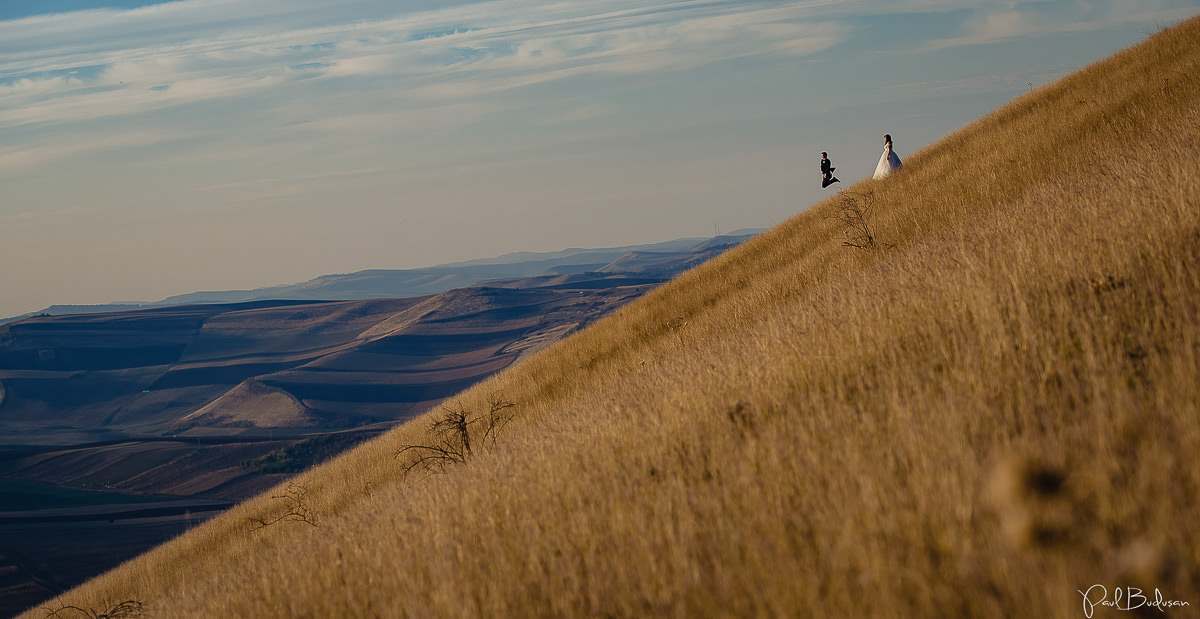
992, 408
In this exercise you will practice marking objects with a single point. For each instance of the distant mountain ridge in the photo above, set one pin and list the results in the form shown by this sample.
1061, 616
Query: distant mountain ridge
428, 333
650, 260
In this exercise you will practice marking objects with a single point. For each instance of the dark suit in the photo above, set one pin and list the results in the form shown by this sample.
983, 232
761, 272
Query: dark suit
827, 177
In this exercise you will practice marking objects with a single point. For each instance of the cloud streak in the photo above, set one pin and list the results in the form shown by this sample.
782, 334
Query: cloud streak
1001, 22
92, 65
167, 65
98, 63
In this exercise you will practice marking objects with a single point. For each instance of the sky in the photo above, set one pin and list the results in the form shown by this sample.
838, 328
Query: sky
149, 149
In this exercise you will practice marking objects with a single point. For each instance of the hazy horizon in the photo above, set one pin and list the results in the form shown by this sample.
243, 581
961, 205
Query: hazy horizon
156, 149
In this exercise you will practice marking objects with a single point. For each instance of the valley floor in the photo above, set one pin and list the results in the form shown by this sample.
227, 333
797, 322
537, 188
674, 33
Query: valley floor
47, 552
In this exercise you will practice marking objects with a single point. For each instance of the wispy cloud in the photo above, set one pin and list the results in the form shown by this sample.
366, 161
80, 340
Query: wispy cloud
368, 59
182, 52
1006, 21
363, 58
50, 149
260, 189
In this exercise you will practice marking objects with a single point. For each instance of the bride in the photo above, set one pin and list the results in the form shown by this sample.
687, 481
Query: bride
889, 162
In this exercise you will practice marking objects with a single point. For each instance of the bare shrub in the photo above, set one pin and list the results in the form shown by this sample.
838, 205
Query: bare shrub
451, 435
298, 510
123, 610
853, 210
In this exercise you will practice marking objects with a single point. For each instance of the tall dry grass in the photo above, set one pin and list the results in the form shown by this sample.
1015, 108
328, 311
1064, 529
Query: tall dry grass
993, 409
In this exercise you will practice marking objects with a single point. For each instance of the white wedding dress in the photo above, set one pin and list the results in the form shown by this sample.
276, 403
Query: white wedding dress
889, 162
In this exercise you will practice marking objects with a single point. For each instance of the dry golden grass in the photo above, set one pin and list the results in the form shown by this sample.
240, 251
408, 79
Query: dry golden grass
993, 409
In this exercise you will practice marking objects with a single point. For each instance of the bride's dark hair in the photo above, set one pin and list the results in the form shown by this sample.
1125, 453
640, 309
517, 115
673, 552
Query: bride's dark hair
887, 137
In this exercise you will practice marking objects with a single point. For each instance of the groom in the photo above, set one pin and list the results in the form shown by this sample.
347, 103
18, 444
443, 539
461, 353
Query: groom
827, 177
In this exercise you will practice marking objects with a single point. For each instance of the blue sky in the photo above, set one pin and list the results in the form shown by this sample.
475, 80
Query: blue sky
150, 149
15, 9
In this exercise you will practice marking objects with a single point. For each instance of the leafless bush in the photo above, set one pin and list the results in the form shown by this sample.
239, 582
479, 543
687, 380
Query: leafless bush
123, 610
854, 212
298, 510
451, 435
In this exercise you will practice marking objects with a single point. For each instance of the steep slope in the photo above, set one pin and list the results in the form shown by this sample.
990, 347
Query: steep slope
990, 409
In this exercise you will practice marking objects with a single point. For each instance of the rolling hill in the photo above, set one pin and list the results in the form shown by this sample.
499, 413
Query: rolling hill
983, 407
200, 369
240, 367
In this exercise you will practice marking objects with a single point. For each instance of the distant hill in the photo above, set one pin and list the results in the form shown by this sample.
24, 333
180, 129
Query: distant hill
192, 406
653, 260
287, 358
968, 390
